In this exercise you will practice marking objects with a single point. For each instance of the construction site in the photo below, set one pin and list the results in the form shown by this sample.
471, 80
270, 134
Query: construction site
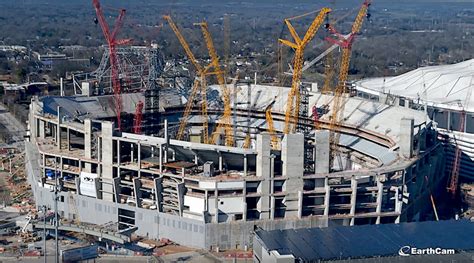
204, 160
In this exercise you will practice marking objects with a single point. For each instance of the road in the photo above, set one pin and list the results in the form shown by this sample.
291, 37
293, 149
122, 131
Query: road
16, 128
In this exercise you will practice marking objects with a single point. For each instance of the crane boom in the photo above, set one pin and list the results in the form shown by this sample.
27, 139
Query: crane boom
201, 82
184, 44
227, 118
271, 126
346, 44
112, 42
299, 45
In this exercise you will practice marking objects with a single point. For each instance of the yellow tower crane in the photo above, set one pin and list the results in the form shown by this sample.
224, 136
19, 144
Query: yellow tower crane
271, 127
226, 121
198, 83
299, 45
346, 45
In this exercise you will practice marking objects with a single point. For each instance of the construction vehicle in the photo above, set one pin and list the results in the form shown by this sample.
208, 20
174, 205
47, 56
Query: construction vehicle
346, 45
299, 45
113, 42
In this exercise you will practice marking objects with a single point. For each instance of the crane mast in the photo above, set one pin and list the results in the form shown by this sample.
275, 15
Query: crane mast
226, 122
112, 43
299, 45
198, 83
137, 121
271, 127
453, 181
346, 45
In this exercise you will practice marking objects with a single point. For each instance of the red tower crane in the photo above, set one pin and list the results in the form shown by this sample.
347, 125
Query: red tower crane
137, 121
454, 178
113, 42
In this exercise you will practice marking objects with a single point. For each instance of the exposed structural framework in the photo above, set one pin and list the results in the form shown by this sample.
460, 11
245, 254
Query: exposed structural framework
211, 190
204, 195
152, 91
293, 103
113, 42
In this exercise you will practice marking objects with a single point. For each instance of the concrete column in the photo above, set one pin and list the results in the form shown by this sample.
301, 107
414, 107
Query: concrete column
132, 155
119, 154
77, 182
300, 204
216, 205
272, 168
292, 155
353, 198
160, 155
159, 193
41, 129
245, 165
263, 171
58, 131
406, 137
272, 207
206, 201
137, 184
139, 159
61, 87
379, 199
117, 189
322, 152
107, 158
398, 205
181, 190
167, 140
327, 196
68, 139
221, 162
87, 144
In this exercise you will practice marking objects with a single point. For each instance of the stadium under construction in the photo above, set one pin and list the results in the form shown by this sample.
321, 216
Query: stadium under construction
203, 165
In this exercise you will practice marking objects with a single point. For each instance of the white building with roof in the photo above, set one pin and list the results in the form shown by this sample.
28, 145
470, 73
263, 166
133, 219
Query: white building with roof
444, 92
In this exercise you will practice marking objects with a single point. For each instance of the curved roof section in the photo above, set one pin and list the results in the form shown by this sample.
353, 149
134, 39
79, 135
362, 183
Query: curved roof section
446, 86
373, 116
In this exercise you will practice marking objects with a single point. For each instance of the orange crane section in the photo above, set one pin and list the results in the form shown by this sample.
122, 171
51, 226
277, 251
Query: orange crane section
299, 45
198, 83
226, 121
346, 44
271, 127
